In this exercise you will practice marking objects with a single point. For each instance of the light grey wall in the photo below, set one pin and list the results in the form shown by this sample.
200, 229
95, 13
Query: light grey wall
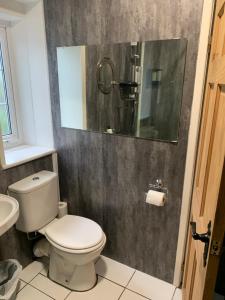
105, 177
14, 244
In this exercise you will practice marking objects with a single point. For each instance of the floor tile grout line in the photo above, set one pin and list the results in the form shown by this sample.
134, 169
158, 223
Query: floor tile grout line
41, 291
131, 278
28, 284
112, 281
125, 287
138, 293
122, 294
46, 277
22, 287
51, 281
174, 293
68, 295
33, 277
36, 287
47, 271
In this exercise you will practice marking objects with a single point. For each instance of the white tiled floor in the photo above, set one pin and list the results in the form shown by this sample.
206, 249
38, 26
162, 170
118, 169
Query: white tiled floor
45, 271
114, 270
21, 285
49, 287
31, 271
115, 282
105, 289
151, 287
128, 295
31, 293
177, 295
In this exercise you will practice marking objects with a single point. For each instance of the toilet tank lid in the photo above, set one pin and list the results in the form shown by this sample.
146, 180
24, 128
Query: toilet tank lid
32, 183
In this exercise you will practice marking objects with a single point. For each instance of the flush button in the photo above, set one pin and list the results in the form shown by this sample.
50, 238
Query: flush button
35, 178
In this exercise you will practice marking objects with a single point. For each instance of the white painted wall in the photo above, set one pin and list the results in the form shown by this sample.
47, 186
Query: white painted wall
18, 6
12, 5
38, 63
28, 54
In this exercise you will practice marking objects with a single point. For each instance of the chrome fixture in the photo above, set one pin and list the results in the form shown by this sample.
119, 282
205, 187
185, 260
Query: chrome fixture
159, 187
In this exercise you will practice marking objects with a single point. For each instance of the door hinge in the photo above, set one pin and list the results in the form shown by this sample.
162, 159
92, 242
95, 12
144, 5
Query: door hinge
215, 248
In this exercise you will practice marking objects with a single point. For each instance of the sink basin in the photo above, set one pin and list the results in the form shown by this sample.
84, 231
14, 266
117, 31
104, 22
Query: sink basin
9, 213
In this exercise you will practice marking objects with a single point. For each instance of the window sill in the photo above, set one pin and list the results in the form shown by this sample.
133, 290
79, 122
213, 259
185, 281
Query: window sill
23, 154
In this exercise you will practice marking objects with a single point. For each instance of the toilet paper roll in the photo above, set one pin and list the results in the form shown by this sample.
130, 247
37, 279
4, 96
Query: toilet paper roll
155, 198
63, 209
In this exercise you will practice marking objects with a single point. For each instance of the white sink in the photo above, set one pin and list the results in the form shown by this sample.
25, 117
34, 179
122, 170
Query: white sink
9, 213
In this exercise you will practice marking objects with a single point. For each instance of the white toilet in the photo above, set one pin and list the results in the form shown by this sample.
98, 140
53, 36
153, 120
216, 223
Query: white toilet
76, 242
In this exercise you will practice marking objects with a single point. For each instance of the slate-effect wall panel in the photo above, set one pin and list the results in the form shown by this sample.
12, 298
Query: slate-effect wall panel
105, 177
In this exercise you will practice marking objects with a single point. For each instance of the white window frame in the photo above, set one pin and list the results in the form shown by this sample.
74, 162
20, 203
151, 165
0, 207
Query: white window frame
12, 139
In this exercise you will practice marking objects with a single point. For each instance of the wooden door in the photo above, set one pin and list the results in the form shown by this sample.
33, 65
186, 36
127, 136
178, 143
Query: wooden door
208, 202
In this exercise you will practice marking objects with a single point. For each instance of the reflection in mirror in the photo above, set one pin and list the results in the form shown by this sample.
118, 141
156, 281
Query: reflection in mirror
105, 75
132, 89
72, 86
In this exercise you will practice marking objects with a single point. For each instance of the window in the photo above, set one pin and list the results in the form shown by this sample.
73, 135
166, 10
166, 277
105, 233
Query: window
8, 121
4, 105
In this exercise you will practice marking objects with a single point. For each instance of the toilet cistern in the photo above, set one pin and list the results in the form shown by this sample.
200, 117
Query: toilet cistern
75, 242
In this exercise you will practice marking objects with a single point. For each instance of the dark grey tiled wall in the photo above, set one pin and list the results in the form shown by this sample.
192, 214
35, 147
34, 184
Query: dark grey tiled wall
105, 177
14, 244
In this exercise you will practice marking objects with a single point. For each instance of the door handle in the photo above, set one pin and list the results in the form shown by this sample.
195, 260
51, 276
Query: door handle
204, 238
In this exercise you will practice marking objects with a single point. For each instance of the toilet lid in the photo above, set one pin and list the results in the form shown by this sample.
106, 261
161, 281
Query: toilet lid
73, 232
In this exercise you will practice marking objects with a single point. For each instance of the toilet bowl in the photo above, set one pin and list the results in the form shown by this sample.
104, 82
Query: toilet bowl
75, 242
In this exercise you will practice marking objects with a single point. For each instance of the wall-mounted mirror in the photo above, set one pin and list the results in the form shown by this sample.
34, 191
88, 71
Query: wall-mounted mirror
105, 75
132, 89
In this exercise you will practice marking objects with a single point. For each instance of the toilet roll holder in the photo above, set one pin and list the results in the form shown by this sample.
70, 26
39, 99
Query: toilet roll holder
159, 187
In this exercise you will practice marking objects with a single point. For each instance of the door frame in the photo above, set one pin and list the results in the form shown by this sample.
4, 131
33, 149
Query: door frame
198, 97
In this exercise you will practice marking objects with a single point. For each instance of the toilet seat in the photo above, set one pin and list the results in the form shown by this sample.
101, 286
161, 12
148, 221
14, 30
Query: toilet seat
75, 234
81, 251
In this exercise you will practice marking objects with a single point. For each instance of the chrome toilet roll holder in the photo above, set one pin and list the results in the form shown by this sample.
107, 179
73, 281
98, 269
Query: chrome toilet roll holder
159, 187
